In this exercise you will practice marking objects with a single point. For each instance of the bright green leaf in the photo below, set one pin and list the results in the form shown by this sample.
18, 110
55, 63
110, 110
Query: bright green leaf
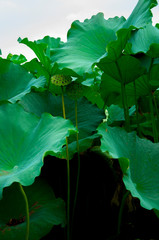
24, 141
86, 43
141, 15
145, 40
18, 59
142, 176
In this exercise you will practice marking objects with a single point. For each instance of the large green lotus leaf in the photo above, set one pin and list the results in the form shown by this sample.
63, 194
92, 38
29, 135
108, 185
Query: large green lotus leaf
126, 69
145, 40
142, 175
45, 211
141, 15
15, 81
89, 115
24, 141
111, 90
86, 42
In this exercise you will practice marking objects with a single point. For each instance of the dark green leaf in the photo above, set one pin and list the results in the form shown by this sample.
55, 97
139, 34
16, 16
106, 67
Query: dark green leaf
36, 68
126, 69
111, 90
45, 211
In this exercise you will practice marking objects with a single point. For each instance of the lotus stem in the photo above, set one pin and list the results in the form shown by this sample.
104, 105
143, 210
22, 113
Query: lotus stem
48, 86
121, 211
27, 211
78, 155
68, 172
154, 128
156, 108
137, 111
124, 101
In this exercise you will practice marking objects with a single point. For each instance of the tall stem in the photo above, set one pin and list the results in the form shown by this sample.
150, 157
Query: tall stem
121, 211
137, 111
125, 106
78, 155
124, 100
27, 211
156, 108
49, 83
154, 128
68, 172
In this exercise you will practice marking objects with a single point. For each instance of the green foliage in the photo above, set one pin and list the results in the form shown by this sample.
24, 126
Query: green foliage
16, 81
45, 211
20, 162
111, 103
89, 116
141, 177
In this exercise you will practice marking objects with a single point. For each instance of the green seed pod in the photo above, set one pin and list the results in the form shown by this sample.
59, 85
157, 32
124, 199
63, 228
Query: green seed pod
60, 80
75, 90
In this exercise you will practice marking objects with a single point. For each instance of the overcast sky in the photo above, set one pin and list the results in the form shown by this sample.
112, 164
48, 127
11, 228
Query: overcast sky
35, 19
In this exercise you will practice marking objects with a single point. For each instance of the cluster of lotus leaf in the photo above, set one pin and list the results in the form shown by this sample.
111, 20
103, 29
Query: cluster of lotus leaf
108, 65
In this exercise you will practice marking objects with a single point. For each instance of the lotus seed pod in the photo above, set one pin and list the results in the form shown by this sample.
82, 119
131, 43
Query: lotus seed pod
60, 80
75, 90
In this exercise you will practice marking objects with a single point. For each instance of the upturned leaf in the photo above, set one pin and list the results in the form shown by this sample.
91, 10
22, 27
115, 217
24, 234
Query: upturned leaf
145, 40
141, 15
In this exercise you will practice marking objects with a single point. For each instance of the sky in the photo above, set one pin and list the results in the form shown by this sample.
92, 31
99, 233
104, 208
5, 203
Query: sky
36, 19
